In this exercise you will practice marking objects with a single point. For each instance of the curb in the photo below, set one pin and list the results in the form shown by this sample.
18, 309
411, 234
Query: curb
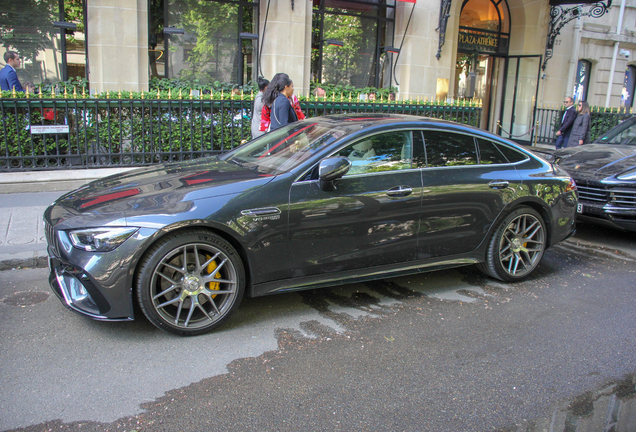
53, 181
24, 259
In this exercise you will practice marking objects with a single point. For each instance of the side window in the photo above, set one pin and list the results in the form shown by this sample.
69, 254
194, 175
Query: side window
511, 154
419, 157
383, 152
627, 136
449, 149
489, 153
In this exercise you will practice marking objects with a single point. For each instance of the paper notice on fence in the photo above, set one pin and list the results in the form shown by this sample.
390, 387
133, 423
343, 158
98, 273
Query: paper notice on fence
49, 129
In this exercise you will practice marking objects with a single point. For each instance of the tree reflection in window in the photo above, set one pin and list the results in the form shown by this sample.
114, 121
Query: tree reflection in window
449, 149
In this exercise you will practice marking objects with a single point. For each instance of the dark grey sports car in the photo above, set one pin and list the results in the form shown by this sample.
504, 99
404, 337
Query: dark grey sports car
605, 174
320, 202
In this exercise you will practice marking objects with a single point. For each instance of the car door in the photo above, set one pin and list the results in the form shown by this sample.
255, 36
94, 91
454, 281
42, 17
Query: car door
464, 192
370, 219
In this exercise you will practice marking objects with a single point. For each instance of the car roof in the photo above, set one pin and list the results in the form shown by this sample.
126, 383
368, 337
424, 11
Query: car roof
358, 121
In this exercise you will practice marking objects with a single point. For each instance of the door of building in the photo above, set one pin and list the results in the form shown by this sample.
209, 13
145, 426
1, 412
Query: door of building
519, 98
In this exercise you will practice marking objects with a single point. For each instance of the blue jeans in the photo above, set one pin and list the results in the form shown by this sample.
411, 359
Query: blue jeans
562, 141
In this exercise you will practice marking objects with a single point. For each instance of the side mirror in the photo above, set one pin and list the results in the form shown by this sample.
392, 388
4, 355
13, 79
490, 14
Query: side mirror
332, 169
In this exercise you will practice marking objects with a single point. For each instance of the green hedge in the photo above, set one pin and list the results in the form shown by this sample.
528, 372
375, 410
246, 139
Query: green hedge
144, 131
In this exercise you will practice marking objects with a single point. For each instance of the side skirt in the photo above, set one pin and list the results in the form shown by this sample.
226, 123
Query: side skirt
360, 275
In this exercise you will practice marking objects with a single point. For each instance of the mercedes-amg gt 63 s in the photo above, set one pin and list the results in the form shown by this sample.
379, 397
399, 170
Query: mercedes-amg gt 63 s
321, 202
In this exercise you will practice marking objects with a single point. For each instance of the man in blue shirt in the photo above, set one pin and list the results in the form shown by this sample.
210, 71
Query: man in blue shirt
8, 77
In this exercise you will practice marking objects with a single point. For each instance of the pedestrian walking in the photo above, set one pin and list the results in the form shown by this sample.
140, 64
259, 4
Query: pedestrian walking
580, 133
563, 134
277, 95
258, 108
8, 77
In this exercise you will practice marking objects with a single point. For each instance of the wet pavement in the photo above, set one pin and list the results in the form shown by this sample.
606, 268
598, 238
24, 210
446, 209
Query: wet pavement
443, 351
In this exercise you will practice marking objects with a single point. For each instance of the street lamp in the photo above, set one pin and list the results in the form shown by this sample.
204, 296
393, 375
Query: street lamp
392, 50
173, 31
334, 42
63, 26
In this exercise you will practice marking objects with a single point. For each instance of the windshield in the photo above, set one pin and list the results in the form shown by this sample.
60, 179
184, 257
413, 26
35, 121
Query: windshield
284, 149
625, 134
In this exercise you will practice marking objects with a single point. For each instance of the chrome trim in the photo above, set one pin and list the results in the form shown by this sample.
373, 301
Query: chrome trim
265, 211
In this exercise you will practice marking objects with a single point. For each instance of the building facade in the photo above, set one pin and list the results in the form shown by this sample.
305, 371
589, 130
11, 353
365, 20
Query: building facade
510, 55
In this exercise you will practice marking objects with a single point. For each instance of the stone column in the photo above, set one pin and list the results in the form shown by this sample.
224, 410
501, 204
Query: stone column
117, 32
287, 41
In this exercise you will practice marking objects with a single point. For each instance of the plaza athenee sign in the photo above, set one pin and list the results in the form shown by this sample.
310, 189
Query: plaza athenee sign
482, 41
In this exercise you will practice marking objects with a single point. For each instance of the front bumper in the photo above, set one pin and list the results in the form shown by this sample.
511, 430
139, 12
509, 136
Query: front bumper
73, 293
96, 285
606, 203
607, 215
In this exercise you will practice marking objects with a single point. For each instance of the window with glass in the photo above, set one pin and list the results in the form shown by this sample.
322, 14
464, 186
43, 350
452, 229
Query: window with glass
204, 41
383, 152
629, 85
582, 83
489, 153
449, 149
49, 54
347, 42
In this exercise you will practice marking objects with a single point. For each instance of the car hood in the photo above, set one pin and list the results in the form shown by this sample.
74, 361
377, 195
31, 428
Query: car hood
597, 161
168, 186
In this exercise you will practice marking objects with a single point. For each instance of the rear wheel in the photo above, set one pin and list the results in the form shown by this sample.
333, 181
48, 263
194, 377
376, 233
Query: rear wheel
190, 283
516, 247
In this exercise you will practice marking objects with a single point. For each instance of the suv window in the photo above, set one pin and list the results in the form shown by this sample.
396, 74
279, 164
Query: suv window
489, 153
622, 134
383, 152
449, 149
511, 154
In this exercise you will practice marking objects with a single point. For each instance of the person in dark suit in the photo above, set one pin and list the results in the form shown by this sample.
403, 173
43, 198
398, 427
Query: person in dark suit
563, 134
8, 77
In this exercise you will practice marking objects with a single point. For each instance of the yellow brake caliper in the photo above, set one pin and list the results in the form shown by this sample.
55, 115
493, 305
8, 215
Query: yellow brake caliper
213, 286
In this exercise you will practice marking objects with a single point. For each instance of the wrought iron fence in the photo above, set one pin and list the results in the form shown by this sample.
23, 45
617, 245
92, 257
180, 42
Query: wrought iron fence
120, 132
549, 121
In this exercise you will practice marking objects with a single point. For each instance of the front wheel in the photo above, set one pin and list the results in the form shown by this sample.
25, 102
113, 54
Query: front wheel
516, 247
190, 283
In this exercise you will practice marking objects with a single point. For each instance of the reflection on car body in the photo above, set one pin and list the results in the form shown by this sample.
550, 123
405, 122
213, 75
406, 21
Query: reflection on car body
320, 202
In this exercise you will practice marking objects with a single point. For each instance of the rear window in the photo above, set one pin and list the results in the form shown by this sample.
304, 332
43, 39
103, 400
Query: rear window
625, 134
489, 153
511, 154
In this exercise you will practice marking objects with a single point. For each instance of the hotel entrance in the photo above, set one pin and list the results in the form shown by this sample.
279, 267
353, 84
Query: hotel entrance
505, 85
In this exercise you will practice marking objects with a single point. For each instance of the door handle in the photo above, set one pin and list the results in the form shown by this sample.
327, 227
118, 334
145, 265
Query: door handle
399, 191
499, 184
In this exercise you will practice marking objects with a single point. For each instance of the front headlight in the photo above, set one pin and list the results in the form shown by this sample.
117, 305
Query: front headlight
100, 239
628, 175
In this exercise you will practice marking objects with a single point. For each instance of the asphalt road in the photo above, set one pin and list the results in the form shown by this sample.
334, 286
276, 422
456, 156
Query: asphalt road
443, 351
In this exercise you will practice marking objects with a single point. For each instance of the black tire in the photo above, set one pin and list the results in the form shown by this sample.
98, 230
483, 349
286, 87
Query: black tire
516, 246
192, 298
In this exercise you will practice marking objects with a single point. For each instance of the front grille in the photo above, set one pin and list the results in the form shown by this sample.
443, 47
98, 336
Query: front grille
619, 197
623, 198
590, 193
51, 238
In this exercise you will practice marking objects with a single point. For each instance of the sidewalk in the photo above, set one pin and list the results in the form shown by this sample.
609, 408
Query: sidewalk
23, 199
